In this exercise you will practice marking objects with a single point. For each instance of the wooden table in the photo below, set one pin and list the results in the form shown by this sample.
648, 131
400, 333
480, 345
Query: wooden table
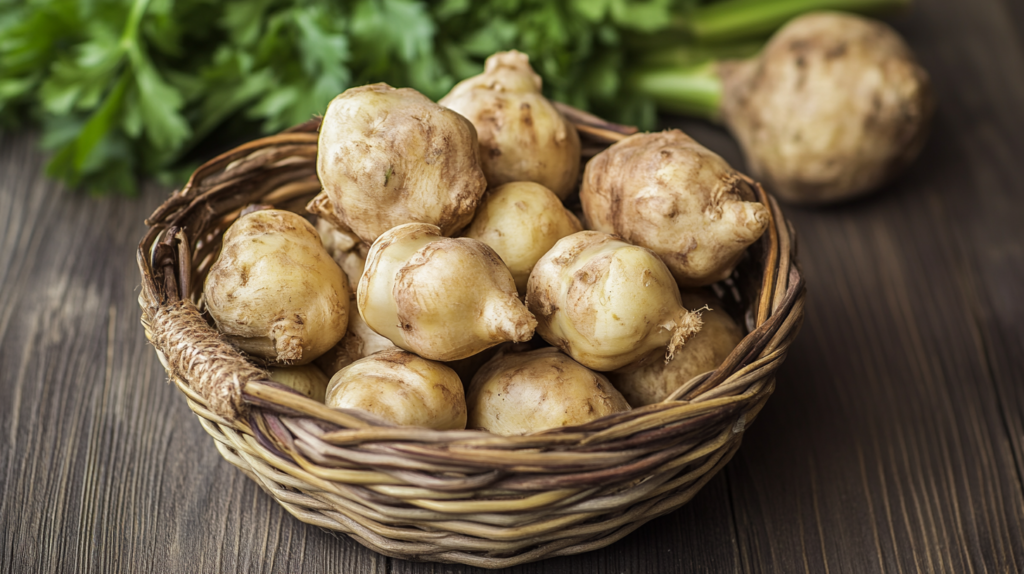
894, 442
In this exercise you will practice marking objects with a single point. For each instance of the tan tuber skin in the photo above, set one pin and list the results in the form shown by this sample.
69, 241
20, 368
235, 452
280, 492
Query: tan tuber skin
306, 379
387, 157
608, 304
359, 341
345, 248
443, 299
833, 107
520, 393
666, 192
274, 291
522, 136
521, 221
401, 388
654, 381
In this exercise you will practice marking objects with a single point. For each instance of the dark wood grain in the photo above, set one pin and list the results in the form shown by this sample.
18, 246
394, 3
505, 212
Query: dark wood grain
894, 442
982, 154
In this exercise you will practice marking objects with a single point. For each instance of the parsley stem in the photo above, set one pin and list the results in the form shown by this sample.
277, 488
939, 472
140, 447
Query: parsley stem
129, 37
736, 19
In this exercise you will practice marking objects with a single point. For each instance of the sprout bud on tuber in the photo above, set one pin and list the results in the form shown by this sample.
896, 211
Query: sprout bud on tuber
520, 393
387, 157
274, 291
606, 303
521, 221
666, 192
401, 388
523, 137
441, 298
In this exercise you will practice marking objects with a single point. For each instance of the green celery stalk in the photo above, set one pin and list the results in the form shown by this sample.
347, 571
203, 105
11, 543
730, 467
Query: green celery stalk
732, 20
694, 90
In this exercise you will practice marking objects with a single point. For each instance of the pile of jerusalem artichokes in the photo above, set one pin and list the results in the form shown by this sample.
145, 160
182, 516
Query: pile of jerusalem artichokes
444, 282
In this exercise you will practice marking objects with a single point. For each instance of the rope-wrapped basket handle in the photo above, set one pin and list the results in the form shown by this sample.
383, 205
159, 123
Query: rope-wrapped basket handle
194, 350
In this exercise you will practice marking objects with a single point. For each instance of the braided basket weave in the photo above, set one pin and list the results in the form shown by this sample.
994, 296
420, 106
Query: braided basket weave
468, 496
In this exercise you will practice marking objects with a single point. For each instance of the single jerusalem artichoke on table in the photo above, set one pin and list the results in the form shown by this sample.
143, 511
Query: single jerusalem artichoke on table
523, 137
441, 298
608, 304
833, 107
274, 291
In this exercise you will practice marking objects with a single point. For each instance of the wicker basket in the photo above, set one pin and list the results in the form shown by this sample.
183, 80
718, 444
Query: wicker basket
449, 496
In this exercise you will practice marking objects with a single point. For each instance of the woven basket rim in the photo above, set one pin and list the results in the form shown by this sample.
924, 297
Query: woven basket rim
498, 501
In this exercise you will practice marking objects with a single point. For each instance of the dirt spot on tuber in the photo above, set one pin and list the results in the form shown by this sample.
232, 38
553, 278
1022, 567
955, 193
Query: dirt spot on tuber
837, 51
525, 114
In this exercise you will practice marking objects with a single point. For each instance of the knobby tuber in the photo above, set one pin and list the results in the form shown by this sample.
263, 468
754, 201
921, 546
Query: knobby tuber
444, 299
666, 192
608, 304
401, 388
520, 393
274, 290
523, 137
521, 221
387, 157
